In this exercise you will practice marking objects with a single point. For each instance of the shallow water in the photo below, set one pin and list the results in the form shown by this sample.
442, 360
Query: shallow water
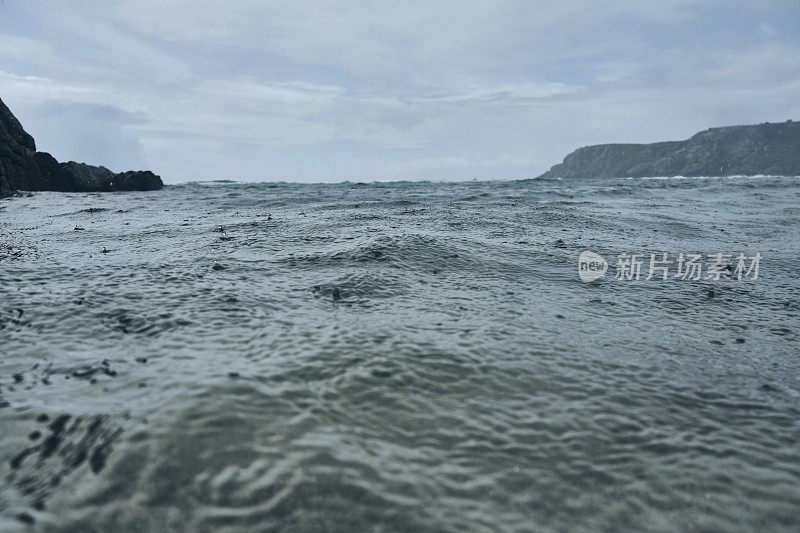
405, 356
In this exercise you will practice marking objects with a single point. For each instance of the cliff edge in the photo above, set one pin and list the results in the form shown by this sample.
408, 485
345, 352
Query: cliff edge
23, 168
768, 149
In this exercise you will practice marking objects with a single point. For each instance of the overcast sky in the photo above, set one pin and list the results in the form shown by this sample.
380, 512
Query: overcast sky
329, 91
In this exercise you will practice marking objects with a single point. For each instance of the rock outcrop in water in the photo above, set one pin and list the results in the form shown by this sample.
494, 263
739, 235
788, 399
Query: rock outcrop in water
768, 149
23, 168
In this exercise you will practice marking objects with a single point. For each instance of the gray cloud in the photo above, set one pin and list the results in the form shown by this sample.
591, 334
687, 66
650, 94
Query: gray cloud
386, 90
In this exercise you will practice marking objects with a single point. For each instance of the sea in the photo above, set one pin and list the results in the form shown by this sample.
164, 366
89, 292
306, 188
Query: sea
404, 356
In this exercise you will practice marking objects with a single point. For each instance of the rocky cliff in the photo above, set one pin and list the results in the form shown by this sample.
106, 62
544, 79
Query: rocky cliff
769, 149
23, 168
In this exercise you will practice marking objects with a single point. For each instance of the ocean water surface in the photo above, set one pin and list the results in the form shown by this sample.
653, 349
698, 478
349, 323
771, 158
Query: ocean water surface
398, 357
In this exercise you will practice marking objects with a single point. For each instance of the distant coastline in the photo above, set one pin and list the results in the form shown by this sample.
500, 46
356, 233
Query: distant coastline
767, 149
761, 149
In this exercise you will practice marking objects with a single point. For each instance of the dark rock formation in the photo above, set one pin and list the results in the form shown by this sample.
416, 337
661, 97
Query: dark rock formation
17, 148
90, 178
768, 149
23, 168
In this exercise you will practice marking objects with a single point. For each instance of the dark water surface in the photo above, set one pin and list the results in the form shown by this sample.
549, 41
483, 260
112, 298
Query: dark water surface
398, 357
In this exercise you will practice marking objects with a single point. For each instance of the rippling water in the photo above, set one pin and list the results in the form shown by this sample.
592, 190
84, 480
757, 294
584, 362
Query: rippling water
405, 356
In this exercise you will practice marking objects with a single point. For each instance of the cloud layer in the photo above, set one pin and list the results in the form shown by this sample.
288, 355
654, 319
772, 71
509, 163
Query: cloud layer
319, 91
